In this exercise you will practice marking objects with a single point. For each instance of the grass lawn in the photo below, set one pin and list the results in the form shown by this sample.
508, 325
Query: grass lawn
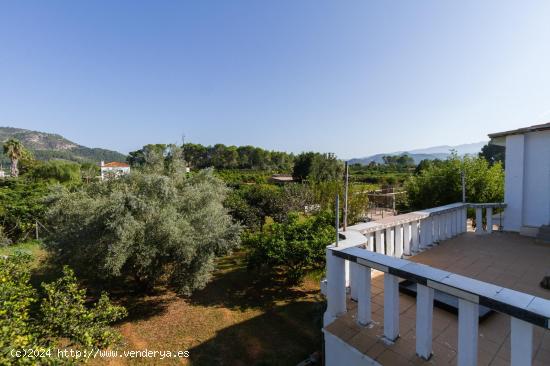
235, 320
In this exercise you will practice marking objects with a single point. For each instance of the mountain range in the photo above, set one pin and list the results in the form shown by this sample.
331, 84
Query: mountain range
431, 153
47, 146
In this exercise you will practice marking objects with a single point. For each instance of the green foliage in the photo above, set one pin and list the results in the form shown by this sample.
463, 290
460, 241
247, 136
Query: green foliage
16, 296
440, 183
28, 320
493, 153
15, 151
158, 158
57, 171
4, 239
295, 246
316, 167
64, 313
21, 204
144, 226
221, 156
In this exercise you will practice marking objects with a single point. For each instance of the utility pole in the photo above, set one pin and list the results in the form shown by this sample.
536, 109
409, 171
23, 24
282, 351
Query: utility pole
337, 222
346, 196
462, 173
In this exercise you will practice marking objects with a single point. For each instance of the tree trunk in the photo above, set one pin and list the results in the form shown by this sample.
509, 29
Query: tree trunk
14, 169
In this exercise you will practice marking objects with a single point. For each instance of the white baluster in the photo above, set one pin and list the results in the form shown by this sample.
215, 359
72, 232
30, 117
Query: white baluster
424, 319
398, 230
468, 314
390, 249
436, 228
453, 223
479, 220
414, 236
391, 307
521, 342
464, 214
336, 288
370, 242
489, 214
364, 302
379, 242
407, 239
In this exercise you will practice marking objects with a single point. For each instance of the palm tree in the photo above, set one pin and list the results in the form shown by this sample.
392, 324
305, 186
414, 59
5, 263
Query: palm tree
14, 149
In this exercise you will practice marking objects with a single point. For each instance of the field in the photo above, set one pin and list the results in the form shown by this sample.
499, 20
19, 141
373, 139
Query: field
236, 320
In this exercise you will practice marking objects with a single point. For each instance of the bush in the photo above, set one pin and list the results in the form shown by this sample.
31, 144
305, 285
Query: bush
147, 227
64, 313
295, 246
4, 240
30, 321
441, 183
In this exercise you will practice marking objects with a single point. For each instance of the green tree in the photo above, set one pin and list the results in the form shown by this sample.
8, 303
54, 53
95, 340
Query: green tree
30, 320
493, 153
144, 226
316, 167
15, 151
296, 246
441, 183
57, 171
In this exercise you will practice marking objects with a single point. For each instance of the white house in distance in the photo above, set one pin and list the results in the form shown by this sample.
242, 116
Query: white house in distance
113, 169
527, 178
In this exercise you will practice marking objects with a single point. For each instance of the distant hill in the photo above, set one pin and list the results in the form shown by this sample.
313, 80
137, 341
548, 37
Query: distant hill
47, 146
436, 152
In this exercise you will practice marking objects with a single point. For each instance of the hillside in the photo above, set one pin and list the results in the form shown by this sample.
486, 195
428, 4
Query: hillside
46, 146
430, 153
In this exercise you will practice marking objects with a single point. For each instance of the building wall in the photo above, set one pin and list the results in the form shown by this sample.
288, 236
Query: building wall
536, 185
527, 182
513, 182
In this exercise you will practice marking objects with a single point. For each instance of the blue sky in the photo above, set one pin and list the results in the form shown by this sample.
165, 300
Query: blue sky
350, 77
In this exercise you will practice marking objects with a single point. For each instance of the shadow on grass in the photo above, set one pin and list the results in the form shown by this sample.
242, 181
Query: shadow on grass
283, 335
235, 287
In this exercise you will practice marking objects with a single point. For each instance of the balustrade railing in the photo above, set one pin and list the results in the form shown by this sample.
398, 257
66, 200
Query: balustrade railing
526, 311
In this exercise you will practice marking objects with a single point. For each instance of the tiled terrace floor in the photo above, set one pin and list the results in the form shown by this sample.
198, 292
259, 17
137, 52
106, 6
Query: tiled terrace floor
504, 259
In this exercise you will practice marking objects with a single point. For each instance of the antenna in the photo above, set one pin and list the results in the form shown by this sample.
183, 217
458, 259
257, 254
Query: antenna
337, 221
346, 197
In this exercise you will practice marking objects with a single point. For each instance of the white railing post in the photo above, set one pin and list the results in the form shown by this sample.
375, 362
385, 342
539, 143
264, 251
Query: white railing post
521, 341
458, 221
336, 288
479, 220
398, 236
436, 228
354, 279
379, 243
430, 230
414, 236
464, 224
424, 319
454, 228
489, 213
391, 307
407, 239
390, 249
427, 231
444, 226
468, 321
370, 242
364, 301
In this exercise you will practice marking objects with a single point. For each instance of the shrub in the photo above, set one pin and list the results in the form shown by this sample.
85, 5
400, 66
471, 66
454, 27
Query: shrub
294, 246
64, 313
146, 227
28, 321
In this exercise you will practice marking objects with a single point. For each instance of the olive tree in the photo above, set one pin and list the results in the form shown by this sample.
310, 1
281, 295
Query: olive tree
146, 227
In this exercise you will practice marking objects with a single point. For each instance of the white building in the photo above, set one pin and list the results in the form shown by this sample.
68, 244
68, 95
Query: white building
113, 169
527, 182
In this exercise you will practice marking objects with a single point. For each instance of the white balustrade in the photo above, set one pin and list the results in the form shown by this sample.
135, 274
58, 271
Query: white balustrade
391, 307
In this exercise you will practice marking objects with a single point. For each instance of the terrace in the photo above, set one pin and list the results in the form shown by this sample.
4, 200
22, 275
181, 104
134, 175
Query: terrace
369, 321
